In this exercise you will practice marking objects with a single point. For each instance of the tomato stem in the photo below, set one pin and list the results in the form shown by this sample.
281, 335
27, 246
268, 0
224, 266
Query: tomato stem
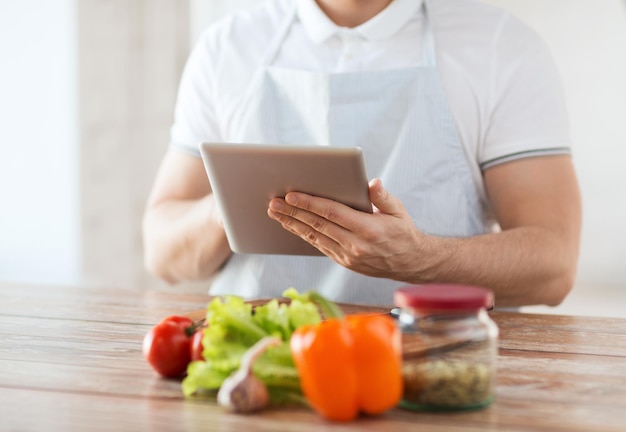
193, 328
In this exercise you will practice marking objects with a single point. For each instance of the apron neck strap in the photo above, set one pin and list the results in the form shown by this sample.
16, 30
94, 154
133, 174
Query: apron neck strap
429, 56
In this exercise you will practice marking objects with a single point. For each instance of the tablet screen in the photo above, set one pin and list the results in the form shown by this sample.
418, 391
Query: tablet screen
245, 177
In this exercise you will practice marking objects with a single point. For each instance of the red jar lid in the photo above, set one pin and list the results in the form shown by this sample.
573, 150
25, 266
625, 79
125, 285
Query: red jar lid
450, 297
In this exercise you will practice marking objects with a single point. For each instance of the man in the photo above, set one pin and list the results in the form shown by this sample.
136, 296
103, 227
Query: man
458, 109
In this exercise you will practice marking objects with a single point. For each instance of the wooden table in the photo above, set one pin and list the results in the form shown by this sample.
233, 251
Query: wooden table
70, 360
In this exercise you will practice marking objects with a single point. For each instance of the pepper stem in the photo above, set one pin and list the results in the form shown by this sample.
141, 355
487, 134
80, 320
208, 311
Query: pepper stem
328, 308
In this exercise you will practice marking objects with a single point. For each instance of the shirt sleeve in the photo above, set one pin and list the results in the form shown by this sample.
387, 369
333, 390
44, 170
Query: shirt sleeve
195, 119
528, 116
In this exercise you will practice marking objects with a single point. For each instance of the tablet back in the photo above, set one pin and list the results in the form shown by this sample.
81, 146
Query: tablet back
245, 177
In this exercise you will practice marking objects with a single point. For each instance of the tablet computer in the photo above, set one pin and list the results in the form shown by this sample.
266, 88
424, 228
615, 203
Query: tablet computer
245, 177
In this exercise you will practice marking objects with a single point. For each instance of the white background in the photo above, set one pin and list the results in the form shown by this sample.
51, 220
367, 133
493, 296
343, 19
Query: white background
38, 141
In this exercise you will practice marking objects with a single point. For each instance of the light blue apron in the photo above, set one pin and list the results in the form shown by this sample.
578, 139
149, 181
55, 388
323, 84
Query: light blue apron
402, 121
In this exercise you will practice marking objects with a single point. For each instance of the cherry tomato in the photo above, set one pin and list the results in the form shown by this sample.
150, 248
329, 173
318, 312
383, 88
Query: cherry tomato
196, 346
167, 346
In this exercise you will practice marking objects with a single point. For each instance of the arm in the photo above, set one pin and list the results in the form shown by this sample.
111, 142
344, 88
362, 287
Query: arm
531, 261
182, 232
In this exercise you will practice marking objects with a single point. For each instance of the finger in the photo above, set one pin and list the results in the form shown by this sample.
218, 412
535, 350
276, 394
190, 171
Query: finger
325, 210
343, 228
287, 213
383, 200
281, 213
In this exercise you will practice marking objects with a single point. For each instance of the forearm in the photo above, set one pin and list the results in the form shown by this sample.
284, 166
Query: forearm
526, 265
184, 240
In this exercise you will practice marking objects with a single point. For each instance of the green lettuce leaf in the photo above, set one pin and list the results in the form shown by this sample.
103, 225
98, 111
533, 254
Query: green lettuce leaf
233, 326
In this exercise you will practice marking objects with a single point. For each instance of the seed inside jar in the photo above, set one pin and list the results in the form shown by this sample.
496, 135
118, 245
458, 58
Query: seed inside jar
447, 384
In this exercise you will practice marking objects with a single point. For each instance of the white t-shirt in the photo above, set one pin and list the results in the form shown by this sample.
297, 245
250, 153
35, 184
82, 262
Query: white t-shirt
501, 83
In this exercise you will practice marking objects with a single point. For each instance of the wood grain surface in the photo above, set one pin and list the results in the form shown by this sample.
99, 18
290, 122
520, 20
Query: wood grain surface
70, 360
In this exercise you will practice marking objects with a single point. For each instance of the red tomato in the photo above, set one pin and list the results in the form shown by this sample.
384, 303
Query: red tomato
167, 346
196, 346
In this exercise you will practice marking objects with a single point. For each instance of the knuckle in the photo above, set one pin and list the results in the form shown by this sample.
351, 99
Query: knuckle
287, 222
359, 251
353, 259
311, 236
318, 224
356, 251
293, 212
369, 235
331, 214
349, 261
289, 225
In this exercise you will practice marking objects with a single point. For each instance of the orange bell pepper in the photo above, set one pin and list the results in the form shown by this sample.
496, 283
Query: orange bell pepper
349, 365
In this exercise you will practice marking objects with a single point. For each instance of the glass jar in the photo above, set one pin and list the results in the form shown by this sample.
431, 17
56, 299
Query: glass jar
450, 346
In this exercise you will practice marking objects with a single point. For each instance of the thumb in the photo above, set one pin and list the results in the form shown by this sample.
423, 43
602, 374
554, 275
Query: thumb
382, 199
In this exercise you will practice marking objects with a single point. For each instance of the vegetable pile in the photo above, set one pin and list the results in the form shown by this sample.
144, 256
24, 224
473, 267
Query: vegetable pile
304, 352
